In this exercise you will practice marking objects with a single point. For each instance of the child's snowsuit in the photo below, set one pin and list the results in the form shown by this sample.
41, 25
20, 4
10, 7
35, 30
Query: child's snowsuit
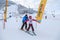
30, 23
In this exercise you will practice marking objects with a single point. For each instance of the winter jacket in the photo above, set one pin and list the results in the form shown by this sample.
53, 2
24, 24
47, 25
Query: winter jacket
25, 18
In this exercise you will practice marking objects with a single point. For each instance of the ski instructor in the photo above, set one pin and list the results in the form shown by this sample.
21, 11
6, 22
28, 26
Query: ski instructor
24, 19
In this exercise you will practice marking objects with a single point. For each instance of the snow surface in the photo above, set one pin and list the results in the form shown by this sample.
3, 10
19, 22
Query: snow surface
49, 29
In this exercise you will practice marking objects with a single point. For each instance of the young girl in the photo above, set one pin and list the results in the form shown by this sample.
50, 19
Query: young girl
30, 23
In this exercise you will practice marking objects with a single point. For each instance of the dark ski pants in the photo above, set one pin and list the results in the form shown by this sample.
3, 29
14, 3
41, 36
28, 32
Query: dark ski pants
24, 24
30, 25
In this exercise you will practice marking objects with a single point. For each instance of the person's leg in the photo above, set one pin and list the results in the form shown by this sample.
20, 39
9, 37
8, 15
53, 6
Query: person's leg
28, 28
25, 25
32, 27
22, 25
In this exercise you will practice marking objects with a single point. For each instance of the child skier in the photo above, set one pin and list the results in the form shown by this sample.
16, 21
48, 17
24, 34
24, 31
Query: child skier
24, 22
30, 23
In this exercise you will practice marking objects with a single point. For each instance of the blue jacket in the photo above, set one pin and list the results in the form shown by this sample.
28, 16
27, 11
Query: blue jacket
25, 18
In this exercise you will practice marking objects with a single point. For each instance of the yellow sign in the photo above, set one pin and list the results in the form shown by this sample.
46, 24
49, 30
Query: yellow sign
41, 10
5, 12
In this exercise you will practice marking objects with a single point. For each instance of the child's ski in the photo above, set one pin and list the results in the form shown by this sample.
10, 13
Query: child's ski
34, 33
28, 32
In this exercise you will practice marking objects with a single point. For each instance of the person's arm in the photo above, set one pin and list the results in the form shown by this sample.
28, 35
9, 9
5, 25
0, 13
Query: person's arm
27, 20
35, 20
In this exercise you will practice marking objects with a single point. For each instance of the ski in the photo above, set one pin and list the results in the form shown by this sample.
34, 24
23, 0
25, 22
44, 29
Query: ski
34, 33
27, 32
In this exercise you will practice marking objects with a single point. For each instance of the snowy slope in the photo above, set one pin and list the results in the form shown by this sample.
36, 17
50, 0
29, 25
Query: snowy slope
52, 5
15, 10
47, 30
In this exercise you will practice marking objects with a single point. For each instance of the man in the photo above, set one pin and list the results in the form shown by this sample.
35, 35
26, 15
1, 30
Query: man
25, 18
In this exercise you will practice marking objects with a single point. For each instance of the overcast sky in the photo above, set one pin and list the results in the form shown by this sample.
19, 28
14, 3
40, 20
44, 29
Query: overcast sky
52, 5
